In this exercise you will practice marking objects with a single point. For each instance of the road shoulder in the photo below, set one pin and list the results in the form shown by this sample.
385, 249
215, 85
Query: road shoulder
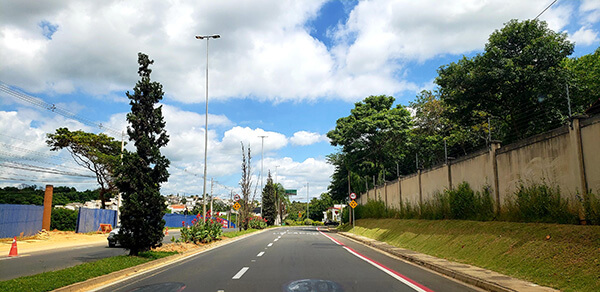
482, 278
104, 281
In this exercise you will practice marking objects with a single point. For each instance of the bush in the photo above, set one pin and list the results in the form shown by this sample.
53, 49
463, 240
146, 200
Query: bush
63, 219
308, 221
289, 222
591, 206
257, 223
539, 203
200, 232
317, 223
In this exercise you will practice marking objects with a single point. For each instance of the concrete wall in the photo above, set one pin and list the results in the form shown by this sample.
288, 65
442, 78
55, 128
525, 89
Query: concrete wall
590, 140
546, 158
476, 169
433, 181
567, 157
410, 189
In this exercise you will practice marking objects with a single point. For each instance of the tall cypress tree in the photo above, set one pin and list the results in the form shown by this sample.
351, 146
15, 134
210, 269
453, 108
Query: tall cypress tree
143, 171
269, 201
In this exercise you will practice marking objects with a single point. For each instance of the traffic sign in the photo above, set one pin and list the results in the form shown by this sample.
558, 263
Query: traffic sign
353, 196
291, 192
236, 197
353, 204
236, 206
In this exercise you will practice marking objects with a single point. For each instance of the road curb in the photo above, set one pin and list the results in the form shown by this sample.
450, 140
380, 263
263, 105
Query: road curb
111, 278
482, 278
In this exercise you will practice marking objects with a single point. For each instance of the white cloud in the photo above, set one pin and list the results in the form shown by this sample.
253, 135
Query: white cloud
303, 138
266, 50
590, 9
585, 36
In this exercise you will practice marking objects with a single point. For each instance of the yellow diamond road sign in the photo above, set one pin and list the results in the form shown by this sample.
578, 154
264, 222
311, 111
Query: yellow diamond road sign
236, 206
353, 204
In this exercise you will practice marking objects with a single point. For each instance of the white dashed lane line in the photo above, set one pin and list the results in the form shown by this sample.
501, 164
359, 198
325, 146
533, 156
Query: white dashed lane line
276, 239
270, 244
240, 273
260, 254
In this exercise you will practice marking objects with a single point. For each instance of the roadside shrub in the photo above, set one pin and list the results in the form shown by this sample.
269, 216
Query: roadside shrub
346, 215
289, 222
200, 232
317, 223
437, 208
539, 203
257, 223
63, 219
591, 206
308, 221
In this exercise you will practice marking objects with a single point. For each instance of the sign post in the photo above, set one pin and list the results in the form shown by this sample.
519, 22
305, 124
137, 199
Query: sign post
353, 204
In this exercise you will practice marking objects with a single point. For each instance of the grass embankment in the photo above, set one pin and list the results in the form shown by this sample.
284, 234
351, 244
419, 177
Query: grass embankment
566, 257
53, 280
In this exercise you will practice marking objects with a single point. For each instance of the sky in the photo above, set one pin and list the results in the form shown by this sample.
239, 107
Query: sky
282, 69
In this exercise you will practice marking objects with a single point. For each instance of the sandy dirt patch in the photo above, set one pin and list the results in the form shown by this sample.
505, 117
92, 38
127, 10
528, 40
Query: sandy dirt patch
46, 240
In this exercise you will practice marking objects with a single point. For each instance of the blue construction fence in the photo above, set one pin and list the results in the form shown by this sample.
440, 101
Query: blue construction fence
89, 220
20, 220
177, 220
26, 220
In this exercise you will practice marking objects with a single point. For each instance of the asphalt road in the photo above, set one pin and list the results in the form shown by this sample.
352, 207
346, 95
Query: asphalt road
290, 259
56, 259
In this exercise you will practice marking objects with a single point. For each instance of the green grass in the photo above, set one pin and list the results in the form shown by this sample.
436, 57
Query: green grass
53, 280
569, 260
238, 233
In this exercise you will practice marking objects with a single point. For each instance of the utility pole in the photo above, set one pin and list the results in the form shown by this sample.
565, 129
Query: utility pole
211, 196
262, 146
277, 196
119, 196
306, 200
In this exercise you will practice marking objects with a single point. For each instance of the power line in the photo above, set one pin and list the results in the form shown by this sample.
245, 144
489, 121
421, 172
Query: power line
545, 9
53, 108
43, 181
29, 167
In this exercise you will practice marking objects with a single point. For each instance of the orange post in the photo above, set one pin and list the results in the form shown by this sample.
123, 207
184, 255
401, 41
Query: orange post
47, 207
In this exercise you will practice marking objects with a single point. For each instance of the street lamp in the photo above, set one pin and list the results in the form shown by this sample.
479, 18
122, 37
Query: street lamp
262, 146
207, 37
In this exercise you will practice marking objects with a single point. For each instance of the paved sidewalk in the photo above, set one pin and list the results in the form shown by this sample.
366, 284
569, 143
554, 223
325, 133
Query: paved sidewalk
482, 278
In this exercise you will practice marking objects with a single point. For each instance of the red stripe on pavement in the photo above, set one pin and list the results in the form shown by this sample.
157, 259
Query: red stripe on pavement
377, 263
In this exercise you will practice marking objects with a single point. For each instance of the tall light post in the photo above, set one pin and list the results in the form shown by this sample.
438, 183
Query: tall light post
207, 37
277, 195
262, 146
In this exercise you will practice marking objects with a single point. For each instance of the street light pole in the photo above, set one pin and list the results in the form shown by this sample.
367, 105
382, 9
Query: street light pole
207, 37
262, 146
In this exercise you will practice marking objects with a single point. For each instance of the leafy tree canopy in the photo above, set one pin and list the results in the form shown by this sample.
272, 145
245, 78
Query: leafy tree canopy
518, 80
97, 152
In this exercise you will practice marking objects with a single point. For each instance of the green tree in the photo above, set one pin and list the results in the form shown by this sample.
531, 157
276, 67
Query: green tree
584, 88
143, 171
269, 207
518, 81
97, 152
320, 205
371, 140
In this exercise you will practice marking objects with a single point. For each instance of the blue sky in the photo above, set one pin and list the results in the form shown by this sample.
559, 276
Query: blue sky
285, 69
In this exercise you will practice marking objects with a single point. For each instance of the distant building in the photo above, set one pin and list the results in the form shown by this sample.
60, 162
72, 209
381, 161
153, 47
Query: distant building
177, 208
336, 212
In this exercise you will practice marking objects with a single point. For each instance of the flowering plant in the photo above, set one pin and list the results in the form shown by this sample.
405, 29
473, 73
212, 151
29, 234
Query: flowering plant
200, 231
257, 223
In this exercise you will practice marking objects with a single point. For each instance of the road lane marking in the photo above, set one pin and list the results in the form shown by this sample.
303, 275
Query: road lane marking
405, 280
240, 273
270, 244
260, 254
276, 239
